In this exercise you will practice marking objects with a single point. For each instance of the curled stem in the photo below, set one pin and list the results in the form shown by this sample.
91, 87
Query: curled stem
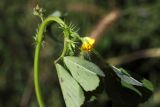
39, 40
63, 52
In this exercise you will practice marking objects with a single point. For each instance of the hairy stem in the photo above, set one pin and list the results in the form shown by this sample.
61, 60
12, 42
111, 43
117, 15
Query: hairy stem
39, 39
63, 52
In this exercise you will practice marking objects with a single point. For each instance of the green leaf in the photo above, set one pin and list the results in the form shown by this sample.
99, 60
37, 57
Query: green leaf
84, 72
72, 92
125, 76
131, 87
124, 71
147, 84
89, 66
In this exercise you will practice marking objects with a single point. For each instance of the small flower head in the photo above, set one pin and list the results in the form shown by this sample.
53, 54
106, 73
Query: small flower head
87, 44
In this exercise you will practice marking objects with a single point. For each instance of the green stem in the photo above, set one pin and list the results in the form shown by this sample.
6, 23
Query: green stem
63, 52
37, 54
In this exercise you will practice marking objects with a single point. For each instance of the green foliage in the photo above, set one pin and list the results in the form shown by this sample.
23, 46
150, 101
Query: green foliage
84, 72
72, 92
83, 64
131, 87
138, 28
124, 76
129, 82
147, 84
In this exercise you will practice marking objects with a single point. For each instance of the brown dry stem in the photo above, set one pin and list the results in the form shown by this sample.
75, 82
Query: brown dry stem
104, 24
148, 53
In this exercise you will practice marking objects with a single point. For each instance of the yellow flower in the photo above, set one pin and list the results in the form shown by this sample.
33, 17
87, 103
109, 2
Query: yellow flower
87, 44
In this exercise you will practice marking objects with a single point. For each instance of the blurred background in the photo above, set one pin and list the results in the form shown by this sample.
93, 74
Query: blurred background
127, 33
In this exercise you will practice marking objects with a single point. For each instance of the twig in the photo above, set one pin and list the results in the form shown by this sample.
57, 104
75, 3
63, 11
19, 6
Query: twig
148, 53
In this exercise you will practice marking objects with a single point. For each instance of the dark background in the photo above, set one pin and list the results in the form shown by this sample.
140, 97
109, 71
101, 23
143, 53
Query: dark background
135, 30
